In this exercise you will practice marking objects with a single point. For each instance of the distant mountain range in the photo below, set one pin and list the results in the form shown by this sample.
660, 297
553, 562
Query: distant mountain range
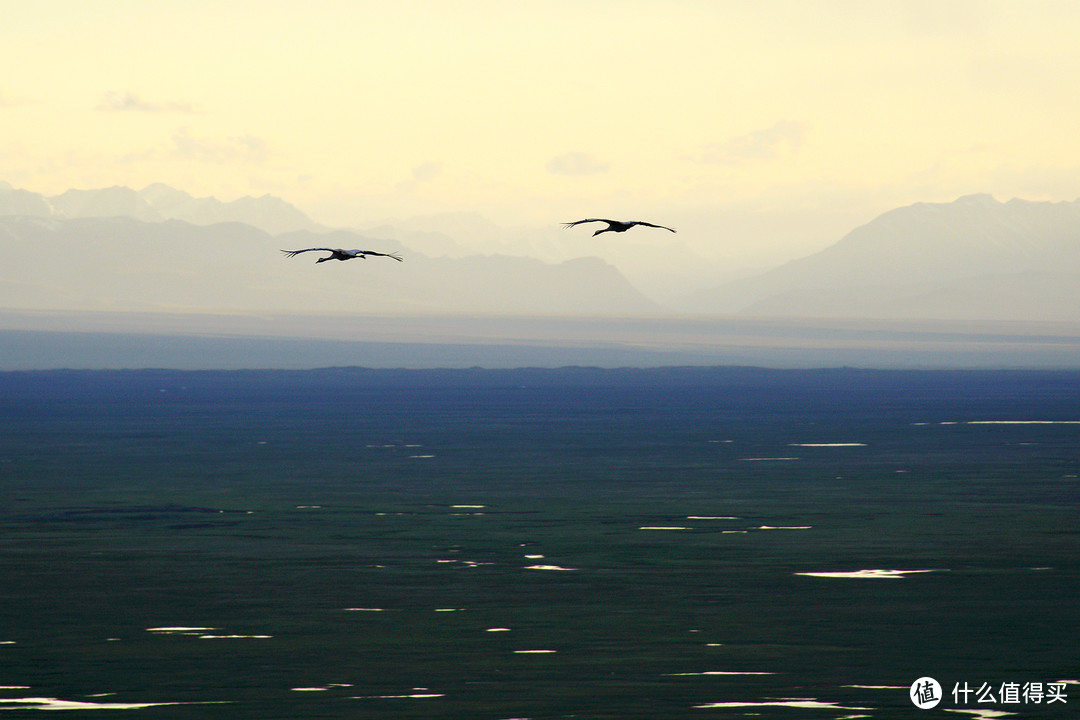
157, 203
125, 264
975, 258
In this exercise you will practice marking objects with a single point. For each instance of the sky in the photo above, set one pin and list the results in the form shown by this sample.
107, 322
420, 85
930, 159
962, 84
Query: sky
780, 124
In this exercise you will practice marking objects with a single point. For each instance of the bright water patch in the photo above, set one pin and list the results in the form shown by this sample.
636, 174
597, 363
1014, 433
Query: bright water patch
462, 563
717, 672
1022, 422
804, 703
872, 574
203, 633
181, 630
48, 703
416, 695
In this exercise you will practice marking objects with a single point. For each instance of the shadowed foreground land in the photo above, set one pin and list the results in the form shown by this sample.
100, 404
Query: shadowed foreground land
390, 544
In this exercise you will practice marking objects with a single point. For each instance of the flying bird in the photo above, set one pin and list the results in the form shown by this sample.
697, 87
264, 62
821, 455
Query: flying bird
615, 225
337, 254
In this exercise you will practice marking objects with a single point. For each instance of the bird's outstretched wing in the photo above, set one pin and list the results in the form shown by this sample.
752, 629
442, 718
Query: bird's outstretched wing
293, 253
589, 220
389, 255
646, 224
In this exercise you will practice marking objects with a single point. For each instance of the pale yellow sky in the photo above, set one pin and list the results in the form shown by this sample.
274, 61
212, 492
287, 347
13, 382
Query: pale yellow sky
683, 111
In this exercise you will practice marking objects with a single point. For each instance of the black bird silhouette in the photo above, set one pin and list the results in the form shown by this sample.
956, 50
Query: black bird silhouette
337, 254
615, 225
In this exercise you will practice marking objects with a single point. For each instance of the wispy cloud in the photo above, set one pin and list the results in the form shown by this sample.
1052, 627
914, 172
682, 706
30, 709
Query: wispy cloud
244, 148
132, 102
426, 171
8, 100
959, 18
576, 163
783, 138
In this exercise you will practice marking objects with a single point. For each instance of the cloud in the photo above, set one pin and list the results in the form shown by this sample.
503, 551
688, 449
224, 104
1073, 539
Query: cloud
131, 102
244, 148
8, 100
426, 171
783, 138
1040, 182
576, 163
958, 18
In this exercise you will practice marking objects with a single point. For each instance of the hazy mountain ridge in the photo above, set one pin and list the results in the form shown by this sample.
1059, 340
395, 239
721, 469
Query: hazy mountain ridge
121, 263
657, 263
972, 258
662, 269
157, 203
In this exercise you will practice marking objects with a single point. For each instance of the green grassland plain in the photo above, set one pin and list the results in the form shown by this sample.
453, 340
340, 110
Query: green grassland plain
384, 544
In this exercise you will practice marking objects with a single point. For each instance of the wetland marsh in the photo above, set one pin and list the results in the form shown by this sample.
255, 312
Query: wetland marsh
699, 543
